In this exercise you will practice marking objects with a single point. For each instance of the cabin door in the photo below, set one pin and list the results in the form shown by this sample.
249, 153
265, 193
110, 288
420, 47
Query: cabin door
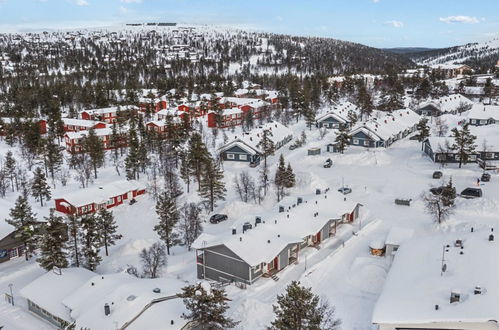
273, 265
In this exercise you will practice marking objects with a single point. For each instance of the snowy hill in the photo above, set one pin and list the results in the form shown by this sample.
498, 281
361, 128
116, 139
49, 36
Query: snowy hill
477, 54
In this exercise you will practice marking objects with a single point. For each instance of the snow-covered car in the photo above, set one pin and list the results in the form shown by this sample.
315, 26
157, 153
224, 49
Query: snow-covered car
293, 146
345, 190
471, 193
328, 163
485, 177
216, 218
437, 175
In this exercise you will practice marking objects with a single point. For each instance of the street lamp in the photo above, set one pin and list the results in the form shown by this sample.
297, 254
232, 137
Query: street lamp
11, 294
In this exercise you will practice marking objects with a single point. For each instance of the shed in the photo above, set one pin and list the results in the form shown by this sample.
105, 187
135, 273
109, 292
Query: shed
314, 151
377, 248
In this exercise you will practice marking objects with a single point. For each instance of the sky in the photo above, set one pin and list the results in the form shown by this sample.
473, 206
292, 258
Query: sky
377, 23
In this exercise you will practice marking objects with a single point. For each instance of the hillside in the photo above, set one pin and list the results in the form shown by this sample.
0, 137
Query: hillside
408, 50
479, 54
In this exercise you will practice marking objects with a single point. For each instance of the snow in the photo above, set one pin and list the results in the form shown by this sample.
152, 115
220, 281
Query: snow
485, 135
80, 122
411, 291
481, 111
127, 296
60, 286
398, 235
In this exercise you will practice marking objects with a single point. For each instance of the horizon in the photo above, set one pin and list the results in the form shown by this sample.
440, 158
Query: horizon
375, 23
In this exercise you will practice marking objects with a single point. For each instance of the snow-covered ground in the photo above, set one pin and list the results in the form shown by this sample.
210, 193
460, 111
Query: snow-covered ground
342, 271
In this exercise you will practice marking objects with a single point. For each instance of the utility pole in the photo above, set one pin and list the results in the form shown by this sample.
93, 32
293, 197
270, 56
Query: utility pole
11, 294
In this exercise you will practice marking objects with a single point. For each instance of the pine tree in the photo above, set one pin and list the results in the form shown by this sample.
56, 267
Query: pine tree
95, 149
280, 178
464, 143
190, 223
107, 228
39, 187
132, 161
300, 309
364, 101
267, 148
24, 222
342, 139
10, 169
290, 179
448, 194
90, 241
53, 243
212, 185
197, 155
185, 171
207, 307
74, 229
53, 158
167, 212
423, 129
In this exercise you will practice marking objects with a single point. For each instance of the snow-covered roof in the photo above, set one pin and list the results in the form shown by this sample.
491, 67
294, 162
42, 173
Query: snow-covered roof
482, 111
240, 101
81, 134
50, 289
474, 90
398, 235
109, 110
252, 138
448, 103
415, 283
80, 122
101, 194
389, 125
127, 296
449, 66
487, 134
266, 240
230, 111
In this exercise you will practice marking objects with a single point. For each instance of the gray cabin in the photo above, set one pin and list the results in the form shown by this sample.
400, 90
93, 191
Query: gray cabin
429, 109
333, 121
238, 151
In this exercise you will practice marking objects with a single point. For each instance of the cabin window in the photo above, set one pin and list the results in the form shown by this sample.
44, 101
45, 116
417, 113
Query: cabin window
355, 141
489, 155
473, 121
366, 143
472, 158
13, 253
336, 125
110, 201
483, 122
257, 268
230, 156
243, 157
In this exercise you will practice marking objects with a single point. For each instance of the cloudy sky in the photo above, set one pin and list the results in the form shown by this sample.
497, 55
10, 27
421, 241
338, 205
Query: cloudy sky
379, 23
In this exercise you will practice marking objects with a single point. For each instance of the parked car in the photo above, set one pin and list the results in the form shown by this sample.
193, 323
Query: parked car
471, 193
437, 175
328, 163
216, 218
345, 190
485, 177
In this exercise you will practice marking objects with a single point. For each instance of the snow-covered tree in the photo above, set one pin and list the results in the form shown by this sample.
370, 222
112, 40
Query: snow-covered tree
74, 243
464, 143
342, 139
207, 306
300, 309
25, 224
166, 209
152, 260
107, 228
39, 187
53, 243
423, 129
90, 241
190, 223
212, 184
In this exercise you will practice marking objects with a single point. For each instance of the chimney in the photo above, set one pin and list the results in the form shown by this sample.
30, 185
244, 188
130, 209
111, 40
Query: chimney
455, 296
107, 309
491, 238
234, 231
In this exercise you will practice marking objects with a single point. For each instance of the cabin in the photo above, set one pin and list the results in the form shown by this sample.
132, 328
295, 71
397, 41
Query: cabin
244, 147
453, 104
453, 70
225, 118
455, 292
74, 140
48, 304
481, 114
332, 120
107, 115
93, 199
11, 246
77, 125
248, 253
384, 130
